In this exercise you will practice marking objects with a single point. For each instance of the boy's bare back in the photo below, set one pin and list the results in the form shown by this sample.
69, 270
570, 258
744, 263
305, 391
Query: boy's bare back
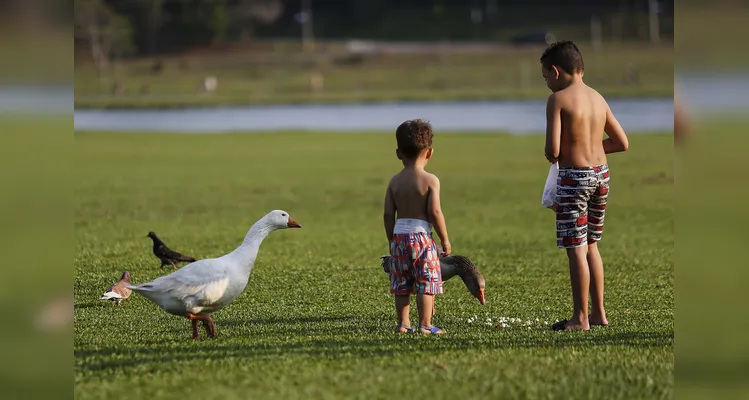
582, 114
410, 190
576, 115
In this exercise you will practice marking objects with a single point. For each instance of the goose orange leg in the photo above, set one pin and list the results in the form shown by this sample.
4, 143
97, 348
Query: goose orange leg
207, 323
210, 327
195, 333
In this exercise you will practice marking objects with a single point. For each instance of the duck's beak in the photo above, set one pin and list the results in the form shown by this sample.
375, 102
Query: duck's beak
293, 224
481, 297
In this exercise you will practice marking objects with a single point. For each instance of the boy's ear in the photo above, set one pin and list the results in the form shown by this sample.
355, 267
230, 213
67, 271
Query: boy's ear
556, 72
398, 154
429, 153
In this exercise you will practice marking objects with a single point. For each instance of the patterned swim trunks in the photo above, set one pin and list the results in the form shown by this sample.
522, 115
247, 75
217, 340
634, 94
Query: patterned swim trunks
415, 264
581, 205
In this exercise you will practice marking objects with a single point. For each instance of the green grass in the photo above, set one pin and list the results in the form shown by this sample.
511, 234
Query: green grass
316, 318
247, 76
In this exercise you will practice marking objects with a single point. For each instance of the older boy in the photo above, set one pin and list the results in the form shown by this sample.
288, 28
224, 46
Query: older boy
576, 118
414, 195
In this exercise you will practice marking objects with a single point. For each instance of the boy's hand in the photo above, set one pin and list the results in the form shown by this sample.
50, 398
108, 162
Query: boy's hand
446, 248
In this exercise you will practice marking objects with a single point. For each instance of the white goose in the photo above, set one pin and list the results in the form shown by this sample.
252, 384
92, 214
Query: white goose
205, 286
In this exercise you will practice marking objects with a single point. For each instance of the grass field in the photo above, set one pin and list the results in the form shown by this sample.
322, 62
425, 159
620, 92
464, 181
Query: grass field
279, 75
316, 318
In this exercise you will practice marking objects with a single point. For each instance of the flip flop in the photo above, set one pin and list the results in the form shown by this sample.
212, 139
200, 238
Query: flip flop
562, 325
409, 329
559, 325
432, 331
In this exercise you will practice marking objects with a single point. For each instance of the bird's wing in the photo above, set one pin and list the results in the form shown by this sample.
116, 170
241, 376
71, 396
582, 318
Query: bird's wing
110, 292
169, 253
121, 288
204, 280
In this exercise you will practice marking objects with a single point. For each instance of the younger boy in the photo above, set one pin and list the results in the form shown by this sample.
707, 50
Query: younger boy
576, 117
414, 195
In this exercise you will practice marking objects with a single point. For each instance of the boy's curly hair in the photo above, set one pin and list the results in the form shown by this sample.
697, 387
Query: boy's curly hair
414, 136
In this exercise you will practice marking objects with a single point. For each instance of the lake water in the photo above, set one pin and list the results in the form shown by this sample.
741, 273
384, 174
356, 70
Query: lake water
706, 93
36, 100
518, 117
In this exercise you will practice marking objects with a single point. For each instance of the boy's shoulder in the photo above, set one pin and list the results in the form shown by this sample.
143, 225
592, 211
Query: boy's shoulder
568, 95
431, 176
421, 175
426, 175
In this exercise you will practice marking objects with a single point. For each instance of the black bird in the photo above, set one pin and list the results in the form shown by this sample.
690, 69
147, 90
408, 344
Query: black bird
165, 254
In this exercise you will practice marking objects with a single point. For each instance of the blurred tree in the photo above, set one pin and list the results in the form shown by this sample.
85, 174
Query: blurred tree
106, 32
155, 18
160, 26
219, 21
245, 14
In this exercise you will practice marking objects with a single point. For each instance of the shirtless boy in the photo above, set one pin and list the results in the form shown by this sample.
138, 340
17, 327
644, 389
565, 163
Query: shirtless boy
413, 195
576, 118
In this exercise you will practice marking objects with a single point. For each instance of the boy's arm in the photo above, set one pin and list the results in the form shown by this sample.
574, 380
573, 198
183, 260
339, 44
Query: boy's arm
617, 140
389, 214
553, 128
435, 213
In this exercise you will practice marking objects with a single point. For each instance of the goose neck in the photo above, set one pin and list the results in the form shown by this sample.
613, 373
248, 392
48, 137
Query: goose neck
246, 253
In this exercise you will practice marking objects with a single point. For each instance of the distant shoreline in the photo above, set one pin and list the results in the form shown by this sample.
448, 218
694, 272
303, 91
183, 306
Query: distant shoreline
208, 102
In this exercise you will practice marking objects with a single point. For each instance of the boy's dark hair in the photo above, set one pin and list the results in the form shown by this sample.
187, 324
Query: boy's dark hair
414, 136
564, 55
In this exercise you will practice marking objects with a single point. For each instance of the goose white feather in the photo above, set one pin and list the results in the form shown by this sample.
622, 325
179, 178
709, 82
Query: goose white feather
206, 286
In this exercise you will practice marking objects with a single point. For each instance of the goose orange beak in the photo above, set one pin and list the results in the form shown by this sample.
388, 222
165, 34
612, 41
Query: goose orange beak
293, 224
481, 297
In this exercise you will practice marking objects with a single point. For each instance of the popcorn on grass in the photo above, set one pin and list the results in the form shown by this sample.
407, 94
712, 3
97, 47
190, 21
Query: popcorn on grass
508, 322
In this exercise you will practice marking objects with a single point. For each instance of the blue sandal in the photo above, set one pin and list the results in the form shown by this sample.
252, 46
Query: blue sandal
432, 331
409, 329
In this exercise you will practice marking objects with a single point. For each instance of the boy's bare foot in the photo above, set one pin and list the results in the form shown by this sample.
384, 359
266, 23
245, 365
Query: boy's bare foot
404, 328
598, 320
567, 325
431, 330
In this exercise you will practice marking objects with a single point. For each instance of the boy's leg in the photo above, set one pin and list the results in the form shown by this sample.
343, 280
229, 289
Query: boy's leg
401, 284
596, 216
425, 304
403, 308
580, 280
428, 281
595, 265
571, 206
